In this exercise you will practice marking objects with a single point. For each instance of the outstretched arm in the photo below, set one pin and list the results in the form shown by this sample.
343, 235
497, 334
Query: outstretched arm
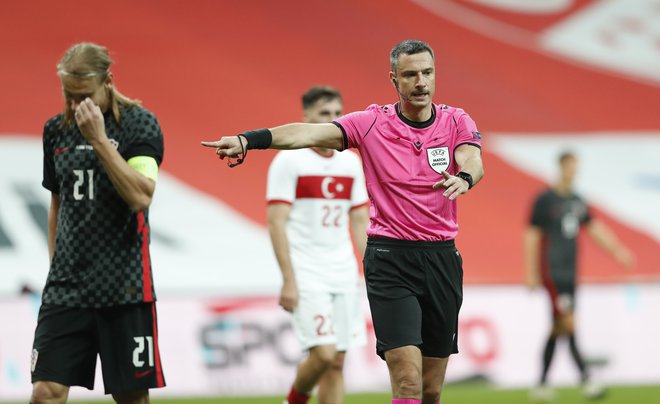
606, 239
289, 136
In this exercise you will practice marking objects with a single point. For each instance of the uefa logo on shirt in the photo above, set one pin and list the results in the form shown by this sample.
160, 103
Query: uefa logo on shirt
438, 158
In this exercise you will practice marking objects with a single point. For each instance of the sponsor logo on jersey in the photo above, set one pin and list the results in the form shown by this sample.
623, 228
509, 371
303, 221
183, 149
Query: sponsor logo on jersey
140, 375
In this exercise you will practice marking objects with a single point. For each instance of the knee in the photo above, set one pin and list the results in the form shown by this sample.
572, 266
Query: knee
408, 384
337, 364
324, 356
48, 393
134, 397
431, 394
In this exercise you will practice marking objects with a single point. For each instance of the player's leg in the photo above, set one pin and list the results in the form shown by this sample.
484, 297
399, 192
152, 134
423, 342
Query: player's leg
129, 351
350, 331
133, 397
396, 312
441, 303
64, 353
313, 323
549, 349
311, 369
49, 393
433, 378
331, 384
405, 367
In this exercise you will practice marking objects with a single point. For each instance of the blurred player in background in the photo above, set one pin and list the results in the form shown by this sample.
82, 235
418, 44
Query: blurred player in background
550, 245
418, 157
313, 196
101, 158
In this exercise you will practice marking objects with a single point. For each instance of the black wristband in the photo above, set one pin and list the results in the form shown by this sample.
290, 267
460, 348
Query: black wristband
467, 177
258, 139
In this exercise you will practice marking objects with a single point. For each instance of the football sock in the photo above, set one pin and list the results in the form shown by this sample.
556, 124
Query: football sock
297, 398
406, 401
579, 361
548, 353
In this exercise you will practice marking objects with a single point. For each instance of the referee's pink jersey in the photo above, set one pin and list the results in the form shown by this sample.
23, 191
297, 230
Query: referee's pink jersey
402, 159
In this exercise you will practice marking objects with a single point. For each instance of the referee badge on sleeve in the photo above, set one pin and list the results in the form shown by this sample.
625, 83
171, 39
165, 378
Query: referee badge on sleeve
438, 158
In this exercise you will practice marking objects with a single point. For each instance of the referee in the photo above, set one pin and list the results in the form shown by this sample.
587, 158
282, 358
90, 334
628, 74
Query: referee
101, 158
417, 157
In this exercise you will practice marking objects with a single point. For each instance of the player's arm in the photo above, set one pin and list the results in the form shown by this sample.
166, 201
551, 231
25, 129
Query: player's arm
606, 239
52, 223
468, 158
532, 251
289, 136
359, 221
278, 214
135, 188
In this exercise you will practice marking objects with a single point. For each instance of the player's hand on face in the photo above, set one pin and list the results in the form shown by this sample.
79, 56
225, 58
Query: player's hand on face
453, 186
228, 146
289, 295
90, 121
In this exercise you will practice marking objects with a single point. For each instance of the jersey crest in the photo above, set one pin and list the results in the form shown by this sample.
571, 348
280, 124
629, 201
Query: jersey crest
438, 158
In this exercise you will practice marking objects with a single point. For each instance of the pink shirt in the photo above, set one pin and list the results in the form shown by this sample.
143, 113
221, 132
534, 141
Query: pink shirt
402, 159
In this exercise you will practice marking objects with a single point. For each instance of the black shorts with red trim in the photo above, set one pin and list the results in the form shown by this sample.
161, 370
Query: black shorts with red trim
415, 291
67, 341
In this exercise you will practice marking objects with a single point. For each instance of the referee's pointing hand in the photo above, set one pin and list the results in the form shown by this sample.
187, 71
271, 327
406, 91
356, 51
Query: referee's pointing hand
454, 186
227, 146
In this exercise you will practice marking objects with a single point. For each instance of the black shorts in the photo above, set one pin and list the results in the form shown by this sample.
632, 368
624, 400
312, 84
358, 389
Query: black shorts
67, 341
415, 291
562, 296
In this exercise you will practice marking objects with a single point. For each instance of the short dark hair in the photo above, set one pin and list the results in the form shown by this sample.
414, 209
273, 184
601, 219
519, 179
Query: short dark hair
320, 93
408, 47
565, 155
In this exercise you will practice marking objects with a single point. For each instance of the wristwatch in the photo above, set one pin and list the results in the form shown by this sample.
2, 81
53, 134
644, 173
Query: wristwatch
467, 177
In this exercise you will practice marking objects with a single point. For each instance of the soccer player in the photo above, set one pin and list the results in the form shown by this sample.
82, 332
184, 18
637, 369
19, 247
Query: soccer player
101, 158
417, 157
551, 256
313, 195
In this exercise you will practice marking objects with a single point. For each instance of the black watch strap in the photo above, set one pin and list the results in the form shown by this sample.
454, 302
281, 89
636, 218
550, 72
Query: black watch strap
467, 177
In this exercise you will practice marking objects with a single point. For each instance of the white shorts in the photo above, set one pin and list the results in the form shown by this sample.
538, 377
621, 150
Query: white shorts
324, 318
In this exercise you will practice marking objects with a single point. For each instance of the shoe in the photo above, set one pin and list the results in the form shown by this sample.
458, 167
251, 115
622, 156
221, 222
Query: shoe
541, 394
593, 391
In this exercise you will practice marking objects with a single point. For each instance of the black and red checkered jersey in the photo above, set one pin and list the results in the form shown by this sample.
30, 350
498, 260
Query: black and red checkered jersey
101, 246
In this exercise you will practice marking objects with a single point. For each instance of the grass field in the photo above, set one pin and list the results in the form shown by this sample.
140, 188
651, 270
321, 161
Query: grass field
459, 395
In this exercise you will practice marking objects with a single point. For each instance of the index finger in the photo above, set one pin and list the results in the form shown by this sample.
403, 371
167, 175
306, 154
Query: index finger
211, 144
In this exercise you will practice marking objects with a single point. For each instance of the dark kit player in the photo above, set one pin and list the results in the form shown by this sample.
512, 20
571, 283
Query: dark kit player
101, 158
558, 214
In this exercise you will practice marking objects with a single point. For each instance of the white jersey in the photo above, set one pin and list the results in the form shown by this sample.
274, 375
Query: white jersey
321, 190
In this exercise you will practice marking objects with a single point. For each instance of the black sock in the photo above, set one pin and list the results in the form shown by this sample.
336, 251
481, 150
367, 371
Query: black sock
579, 361
548, 353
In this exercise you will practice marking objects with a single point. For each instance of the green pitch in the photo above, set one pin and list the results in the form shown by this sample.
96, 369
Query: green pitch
459, 395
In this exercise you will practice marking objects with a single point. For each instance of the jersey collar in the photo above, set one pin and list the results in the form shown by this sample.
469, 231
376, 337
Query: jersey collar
418, 125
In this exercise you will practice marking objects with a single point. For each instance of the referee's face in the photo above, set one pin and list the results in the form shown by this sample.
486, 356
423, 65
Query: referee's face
414, 79
323, 111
